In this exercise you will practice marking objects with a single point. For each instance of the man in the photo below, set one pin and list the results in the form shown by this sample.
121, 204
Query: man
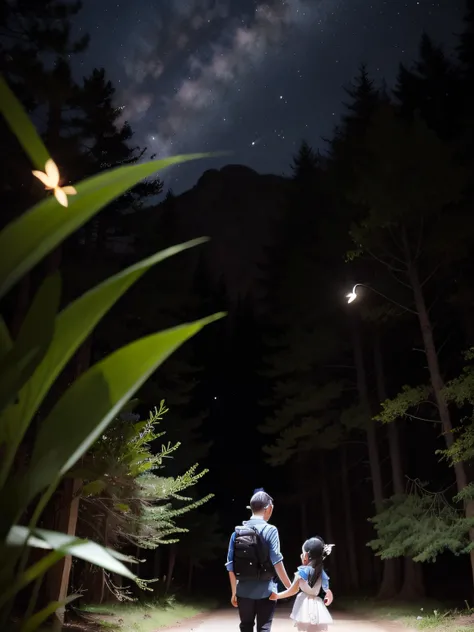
253, 561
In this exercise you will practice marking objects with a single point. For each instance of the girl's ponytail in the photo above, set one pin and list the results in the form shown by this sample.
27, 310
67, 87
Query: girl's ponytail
314, 547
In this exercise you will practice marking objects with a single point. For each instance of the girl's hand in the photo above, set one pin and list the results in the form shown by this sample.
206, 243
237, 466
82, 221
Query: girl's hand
273, 597
329, 598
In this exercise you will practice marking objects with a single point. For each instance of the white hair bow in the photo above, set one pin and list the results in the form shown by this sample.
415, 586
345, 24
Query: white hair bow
327, 549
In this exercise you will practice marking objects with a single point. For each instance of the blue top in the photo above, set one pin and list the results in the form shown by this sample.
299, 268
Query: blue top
254, 588
304, 572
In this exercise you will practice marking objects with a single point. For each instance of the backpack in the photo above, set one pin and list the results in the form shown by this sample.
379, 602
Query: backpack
251, 555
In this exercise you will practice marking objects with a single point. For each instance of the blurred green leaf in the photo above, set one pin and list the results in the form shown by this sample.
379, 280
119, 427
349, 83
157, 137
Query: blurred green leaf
93, 400
73, 326
32, 343
28, 239
70, 545
42, 615
22, 127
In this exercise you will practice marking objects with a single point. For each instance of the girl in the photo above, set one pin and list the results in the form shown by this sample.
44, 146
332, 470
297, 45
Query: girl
309, 611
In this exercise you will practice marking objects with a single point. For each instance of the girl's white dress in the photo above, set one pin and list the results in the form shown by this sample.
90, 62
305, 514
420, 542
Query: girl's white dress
309, 612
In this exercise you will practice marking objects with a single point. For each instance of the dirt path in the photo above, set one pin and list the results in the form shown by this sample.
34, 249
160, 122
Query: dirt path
228, 621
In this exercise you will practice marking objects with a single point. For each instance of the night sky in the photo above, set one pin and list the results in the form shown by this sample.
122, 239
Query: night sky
248, 76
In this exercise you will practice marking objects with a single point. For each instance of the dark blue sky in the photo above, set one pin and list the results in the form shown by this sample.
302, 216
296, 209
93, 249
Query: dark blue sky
249, 76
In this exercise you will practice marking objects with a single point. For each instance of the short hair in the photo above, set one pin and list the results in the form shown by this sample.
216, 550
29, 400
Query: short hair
260, 501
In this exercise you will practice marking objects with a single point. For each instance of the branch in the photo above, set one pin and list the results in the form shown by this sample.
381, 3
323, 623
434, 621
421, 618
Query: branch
432, 273
386, 263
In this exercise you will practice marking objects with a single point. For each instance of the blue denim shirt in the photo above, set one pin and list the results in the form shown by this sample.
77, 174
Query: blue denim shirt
254, 588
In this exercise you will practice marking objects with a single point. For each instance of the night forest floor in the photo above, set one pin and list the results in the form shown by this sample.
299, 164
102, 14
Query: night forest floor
227, 621
414, 616
361, 617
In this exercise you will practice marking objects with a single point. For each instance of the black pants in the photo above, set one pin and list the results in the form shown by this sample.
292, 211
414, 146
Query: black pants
260, 609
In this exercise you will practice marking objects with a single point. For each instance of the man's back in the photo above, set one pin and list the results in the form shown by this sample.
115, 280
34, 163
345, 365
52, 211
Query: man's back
251, 596
257, 588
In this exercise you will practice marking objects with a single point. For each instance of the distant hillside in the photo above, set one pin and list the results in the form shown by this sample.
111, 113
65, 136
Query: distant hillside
240, 210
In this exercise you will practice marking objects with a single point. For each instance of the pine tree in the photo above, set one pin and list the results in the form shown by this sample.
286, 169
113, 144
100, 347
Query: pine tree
127, 497
107, 142
346, 147
465, 47
431, 88
411, 185
306, 341
305, 163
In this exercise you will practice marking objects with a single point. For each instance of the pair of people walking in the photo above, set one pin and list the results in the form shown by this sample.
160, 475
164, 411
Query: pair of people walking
254, 560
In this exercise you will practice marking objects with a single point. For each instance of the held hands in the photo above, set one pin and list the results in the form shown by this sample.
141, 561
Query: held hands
273, 597
329, 598
233, 600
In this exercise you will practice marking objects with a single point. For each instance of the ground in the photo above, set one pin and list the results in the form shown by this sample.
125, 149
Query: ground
419, 615
227, 621
363, 615
141, 616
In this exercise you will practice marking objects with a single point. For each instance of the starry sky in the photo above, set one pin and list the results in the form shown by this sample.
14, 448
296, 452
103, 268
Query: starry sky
253, 77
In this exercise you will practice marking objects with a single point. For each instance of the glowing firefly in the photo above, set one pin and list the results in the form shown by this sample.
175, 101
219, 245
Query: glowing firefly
352, 295
50, 179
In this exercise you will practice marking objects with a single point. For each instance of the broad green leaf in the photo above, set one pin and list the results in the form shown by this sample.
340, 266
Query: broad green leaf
38, 326
32, 343
73, 326
20, 124
48, 540
93, 400
42, 615
27, 240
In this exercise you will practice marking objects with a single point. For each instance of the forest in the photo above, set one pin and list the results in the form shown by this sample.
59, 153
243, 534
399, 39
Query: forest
351, 377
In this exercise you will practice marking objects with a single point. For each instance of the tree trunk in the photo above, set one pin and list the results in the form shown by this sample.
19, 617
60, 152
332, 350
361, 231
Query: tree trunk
58, 578
171, 565
157, 559
102, 571
353, 574
326, 503
437, 384
391, 583
190, 575
413, 583
413, 587
328, 535
373, 450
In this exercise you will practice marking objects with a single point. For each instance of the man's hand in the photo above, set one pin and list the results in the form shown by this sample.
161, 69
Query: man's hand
233, 600
273, 597
329, 598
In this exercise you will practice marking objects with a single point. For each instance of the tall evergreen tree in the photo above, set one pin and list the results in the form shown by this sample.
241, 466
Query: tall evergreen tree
432, 89
107, 142
411, 186
465, 48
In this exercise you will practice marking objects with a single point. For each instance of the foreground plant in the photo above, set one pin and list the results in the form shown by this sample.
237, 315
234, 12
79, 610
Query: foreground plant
30, 364
127, 499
